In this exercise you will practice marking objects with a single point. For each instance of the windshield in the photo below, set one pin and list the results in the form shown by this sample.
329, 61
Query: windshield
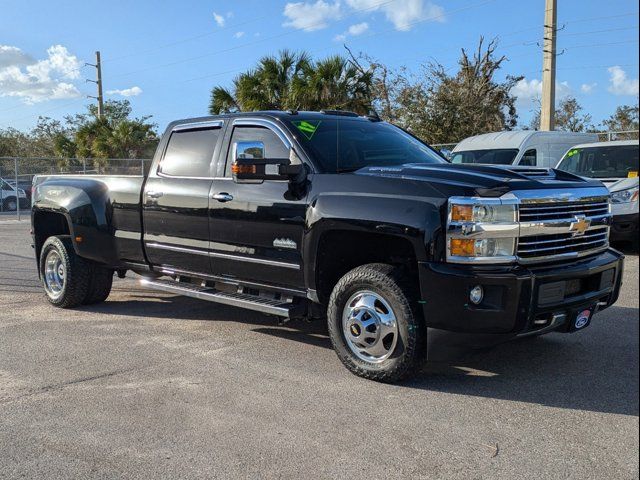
602, 162
498, 156
348, 144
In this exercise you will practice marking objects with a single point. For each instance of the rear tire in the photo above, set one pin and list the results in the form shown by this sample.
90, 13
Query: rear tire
99, 285
65, 276
9, 204
374, 325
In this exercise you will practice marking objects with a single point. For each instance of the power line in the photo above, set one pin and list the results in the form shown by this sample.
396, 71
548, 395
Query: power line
186, 40
635, 27
257, 42
468, 7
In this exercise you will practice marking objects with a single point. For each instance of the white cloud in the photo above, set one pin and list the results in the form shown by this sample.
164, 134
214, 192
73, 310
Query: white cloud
353, 31
126, 92
219, 19
587, 88
38, 80
358, 29
529, 91
238, 34
402, 13
311, 16
620, 84
13, 56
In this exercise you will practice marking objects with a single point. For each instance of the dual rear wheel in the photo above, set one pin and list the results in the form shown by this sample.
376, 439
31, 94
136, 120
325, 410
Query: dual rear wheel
68, 279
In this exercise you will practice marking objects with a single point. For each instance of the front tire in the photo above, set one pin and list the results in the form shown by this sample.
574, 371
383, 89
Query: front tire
374, 327
65, 276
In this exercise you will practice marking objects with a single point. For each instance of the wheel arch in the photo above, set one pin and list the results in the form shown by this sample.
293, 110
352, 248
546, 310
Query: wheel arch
341, 250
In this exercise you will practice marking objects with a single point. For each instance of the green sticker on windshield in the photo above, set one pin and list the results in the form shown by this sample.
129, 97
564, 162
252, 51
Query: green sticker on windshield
308, 129
571, 153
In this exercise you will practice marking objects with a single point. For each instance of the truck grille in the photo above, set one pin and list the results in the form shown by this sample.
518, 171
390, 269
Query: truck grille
551, 245
553, 211
548, 229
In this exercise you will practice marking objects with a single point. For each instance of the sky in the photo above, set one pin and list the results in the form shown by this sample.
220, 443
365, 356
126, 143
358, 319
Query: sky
166, 56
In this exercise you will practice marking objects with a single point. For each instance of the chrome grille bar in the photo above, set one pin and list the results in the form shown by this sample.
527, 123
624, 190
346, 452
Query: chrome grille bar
553, 227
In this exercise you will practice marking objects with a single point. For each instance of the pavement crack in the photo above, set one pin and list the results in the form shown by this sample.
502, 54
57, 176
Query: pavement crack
60, 386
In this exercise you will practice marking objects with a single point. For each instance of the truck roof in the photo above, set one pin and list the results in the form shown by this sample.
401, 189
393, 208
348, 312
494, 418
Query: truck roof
515, 139
288, 114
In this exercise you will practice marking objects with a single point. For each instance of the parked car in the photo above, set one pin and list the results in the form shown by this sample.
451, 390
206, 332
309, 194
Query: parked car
528, 148
10, 197
328, 215
25, 185
616, 165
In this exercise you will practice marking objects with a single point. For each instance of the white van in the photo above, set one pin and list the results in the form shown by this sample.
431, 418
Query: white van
527, 147
616, 165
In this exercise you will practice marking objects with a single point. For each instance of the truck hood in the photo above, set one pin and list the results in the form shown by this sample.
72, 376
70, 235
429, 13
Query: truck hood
482, 180
617, 184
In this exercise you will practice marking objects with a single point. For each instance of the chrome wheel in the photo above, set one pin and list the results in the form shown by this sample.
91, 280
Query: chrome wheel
54, 274
369, 327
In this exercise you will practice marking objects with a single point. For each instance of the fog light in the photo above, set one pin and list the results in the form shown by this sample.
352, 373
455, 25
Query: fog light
476, 295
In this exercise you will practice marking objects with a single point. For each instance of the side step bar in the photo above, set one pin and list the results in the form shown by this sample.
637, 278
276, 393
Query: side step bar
242, 300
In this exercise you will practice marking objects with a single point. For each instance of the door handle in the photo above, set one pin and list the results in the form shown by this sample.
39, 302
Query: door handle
152, 194
222, 197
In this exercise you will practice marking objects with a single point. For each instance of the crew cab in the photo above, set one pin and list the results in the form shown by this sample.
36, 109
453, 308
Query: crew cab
331, 215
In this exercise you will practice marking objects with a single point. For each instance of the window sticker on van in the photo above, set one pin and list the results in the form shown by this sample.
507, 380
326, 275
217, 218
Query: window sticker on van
573, 152
632, 174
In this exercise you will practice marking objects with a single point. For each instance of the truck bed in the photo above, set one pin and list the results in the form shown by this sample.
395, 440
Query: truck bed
104, 209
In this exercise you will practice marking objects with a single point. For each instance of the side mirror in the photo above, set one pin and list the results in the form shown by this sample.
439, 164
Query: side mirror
251, 166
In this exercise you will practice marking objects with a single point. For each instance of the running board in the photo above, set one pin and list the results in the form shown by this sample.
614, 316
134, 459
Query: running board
242, 300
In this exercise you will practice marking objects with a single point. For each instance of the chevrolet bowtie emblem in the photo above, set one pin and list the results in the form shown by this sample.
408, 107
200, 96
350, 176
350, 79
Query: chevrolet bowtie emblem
579, 225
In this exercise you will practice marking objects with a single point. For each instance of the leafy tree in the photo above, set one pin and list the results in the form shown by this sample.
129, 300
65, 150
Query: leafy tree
624, 119
568, 117
114, 135
294, 81
443, 107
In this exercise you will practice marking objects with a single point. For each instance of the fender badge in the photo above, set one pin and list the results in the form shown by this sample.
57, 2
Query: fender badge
285, 243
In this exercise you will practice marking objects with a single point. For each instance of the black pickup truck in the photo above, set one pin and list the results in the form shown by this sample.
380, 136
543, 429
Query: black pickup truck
337, 216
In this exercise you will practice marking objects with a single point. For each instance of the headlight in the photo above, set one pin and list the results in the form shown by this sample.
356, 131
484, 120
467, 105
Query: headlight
481, 230
625, 196
483, 213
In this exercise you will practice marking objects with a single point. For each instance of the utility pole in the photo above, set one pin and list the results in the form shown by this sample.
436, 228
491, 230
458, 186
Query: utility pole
548, 107
98, 82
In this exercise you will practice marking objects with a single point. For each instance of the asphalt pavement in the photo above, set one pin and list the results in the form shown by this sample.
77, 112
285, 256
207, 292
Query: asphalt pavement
151, 385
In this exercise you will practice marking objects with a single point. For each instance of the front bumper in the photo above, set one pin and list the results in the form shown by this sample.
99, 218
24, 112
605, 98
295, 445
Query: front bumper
624, 228
517, 300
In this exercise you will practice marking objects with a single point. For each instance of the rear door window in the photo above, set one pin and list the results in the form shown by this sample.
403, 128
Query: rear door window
189, 153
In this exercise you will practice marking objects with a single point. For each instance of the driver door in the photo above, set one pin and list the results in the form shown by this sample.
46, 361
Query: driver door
256, 229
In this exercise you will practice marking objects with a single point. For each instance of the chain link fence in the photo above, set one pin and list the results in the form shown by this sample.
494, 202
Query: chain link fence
16, 175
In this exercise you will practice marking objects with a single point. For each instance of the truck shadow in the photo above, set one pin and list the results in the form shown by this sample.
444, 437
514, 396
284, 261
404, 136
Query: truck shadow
595, 370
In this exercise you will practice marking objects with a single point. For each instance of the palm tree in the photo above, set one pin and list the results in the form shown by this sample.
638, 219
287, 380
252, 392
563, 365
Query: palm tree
271, 85
336, 83
294, 81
